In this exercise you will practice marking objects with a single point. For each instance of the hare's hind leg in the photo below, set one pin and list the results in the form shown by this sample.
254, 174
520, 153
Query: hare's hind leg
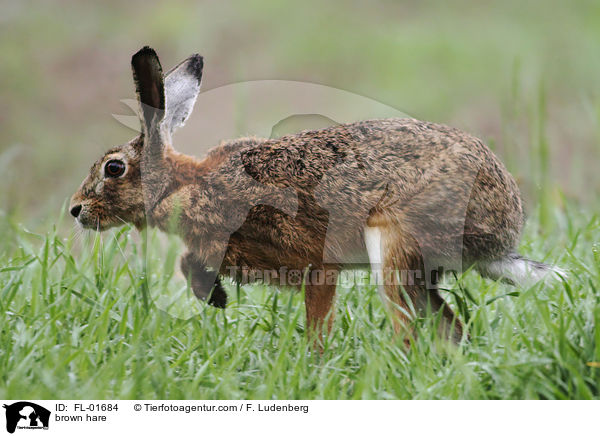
382, 272
395, 262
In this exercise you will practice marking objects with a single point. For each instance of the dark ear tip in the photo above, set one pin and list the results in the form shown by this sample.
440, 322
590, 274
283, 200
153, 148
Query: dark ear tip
143, 52
195, 65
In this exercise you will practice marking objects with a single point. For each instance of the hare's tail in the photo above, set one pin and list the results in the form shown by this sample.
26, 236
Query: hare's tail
518, 271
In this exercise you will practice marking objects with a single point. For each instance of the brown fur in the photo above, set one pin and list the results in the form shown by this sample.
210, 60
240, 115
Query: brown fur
431, 189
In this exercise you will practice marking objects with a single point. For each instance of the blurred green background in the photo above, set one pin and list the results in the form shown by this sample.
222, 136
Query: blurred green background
521, 75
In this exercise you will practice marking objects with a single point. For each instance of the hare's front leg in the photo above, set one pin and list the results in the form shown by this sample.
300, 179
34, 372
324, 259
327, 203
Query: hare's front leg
202, 281
319, 294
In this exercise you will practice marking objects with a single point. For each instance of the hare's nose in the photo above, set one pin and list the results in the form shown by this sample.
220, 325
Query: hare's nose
76, 210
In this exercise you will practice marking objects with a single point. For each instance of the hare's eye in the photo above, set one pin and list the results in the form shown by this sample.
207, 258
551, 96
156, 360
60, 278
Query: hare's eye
114, 168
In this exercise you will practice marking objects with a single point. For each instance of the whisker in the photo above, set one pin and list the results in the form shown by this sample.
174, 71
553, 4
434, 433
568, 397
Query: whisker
101, 242
77, 233
118, 245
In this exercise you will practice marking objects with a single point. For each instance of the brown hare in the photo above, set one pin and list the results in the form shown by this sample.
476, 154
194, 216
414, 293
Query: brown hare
411, 199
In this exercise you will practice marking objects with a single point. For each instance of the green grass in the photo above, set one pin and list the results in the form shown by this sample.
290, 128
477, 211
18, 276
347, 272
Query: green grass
89, 318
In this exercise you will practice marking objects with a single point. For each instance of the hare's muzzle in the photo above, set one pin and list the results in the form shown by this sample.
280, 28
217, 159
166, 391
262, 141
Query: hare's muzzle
76, 210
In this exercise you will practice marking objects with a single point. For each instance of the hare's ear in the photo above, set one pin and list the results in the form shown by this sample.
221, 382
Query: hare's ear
149, 84
182, 85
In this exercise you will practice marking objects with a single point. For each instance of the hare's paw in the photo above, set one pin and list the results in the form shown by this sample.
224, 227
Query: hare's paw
218, 296
203, 281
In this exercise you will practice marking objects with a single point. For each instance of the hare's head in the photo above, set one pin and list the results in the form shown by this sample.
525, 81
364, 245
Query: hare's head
128, 180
